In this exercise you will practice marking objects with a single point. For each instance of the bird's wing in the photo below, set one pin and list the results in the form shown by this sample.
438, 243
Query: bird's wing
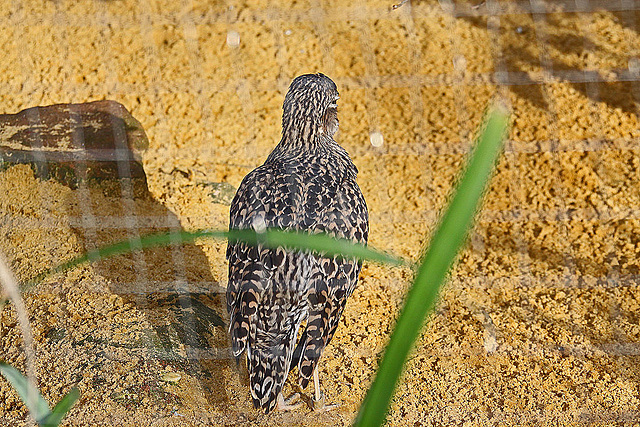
333, 280
264, 307
247, 268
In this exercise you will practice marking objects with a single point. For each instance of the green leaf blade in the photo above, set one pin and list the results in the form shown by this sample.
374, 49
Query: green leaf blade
445, 245
319, 243
28, 392
61, 409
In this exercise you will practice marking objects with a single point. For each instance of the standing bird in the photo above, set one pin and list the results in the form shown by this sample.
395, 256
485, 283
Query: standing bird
308, 183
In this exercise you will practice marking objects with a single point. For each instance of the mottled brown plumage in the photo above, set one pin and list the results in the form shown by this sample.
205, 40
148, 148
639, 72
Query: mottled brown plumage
307, 183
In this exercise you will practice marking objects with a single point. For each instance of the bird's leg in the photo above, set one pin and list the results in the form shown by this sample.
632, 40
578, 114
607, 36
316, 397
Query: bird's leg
288, 404
317, 402
319, 395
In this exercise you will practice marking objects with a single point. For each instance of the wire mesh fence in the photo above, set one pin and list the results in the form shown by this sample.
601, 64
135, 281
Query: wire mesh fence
539, 323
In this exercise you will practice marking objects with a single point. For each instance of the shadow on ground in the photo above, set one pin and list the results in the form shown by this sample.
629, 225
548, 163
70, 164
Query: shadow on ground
552, 42
172, 286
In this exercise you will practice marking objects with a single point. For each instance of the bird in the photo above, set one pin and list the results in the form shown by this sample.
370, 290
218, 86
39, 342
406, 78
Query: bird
307, 184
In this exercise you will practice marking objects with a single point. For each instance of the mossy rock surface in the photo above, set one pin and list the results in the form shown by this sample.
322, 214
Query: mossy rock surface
72, 143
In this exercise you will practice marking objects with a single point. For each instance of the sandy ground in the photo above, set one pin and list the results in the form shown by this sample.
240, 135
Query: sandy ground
539, 324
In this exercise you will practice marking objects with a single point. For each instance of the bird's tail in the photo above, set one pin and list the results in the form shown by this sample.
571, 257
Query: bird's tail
268, 369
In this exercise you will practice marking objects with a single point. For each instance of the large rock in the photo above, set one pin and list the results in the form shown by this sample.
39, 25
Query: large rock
75, 142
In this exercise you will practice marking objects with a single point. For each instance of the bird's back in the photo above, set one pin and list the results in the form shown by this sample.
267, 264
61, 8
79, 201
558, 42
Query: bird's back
271, 292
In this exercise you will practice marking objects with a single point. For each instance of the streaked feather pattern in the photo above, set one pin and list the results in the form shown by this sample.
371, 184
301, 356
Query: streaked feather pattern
308, 183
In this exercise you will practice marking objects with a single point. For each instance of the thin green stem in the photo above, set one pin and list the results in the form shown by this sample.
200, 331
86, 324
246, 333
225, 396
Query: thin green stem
318, 243
445, 245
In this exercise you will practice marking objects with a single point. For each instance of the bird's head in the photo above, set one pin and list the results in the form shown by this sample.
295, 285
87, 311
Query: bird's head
310, 107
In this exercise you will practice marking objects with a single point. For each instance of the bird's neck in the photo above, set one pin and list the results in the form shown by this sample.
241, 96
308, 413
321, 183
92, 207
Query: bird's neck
303, 139
323, 148
303, 133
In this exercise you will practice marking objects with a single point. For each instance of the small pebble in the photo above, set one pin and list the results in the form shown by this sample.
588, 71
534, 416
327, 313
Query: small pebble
490, 344
117, 395
376, 139
170, 377
460, 62
233, 39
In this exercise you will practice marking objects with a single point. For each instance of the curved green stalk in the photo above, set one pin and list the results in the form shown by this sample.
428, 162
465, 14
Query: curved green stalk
445, 245
319, 243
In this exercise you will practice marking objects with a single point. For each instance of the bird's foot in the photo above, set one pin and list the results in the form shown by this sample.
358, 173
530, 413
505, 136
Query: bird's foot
318, 404
289, 403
